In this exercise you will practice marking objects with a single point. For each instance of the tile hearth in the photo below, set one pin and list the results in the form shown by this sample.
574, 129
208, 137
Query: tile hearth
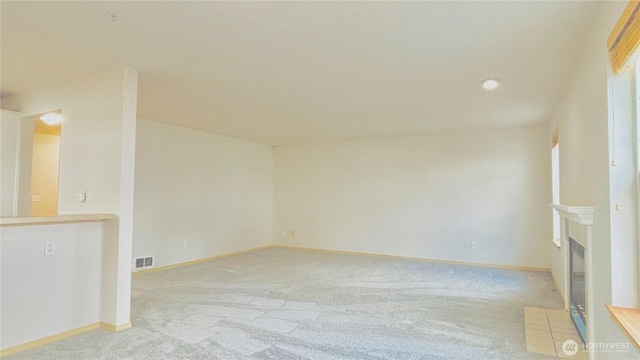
546, 330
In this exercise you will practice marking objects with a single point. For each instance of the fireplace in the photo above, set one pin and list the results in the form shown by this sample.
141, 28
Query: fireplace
578, 306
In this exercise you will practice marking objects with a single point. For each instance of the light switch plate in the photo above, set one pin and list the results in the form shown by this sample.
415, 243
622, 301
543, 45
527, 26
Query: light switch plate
49, 248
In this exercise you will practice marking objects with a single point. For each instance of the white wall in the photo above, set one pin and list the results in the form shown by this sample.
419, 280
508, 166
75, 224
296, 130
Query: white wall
214, 192
97, 153
25, 158
582, 119
44, 174
424, 196
9, 132
91, 136
43, 296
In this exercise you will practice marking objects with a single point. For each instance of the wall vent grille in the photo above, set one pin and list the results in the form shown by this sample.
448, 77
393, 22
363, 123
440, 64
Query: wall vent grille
143, 262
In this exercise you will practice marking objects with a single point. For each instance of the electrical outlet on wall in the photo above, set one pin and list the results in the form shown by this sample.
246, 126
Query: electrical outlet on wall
49, 248
474, 245
282, 232
185, 245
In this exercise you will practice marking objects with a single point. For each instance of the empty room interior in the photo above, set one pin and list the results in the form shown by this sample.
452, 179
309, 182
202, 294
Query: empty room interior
319, 180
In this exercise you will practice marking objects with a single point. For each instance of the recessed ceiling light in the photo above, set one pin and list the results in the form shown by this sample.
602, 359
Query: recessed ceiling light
51, 119
491, 84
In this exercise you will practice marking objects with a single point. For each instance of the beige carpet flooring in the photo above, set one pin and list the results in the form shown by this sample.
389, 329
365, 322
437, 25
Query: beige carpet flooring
286, 304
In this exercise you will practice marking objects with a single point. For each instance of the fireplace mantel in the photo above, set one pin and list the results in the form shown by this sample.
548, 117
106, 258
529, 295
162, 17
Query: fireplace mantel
581, 214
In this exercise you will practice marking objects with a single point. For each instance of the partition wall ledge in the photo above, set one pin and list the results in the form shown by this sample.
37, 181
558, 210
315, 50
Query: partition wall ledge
44, 220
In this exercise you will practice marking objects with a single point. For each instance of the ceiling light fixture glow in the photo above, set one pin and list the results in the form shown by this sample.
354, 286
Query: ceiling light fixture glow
491, 84
51, 119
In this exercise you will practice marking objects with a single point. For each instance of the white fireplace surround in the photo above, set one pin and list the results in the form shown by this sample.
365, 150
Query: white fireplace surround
578, 216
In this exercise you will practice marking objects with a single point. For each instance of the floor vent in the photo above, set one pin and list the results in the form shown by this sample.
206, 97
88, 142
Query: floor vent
143, 262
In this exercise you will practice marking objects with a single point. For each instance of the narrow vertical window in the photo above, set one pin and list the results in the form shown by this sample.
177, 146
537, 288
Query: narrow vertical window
555, 185
636, 132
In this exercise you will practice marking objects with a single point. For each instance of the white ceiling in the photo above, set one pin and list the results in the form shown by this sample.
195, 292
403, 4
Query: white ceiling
302, 72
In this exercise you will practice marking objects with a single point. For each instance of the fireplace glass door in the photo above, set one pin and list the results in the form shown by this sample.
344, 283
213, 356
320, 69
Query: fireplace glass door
578, 308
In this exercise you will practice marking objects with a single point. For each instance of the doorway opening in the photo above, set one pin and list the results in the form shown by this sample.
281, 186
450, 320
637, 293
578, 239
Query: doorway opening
39, 164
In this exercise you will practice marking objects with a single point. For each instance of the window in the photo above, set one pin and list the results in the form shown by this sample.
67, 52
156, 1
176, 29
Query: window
624, 107
555, 189
624, 90
636, 161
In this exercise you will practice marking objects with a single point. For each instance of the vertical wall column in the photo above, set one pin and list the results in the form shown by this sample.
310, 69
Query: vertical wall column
10, 153
118, 234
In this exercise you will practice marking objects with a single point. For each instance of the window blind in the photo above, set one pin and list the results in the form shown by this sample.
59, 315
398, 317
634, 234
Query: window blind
625, 37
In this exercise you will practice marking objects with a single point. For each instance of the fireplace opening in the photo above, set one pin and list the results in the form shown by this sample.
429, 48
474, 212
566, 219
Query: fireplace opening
578, 306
